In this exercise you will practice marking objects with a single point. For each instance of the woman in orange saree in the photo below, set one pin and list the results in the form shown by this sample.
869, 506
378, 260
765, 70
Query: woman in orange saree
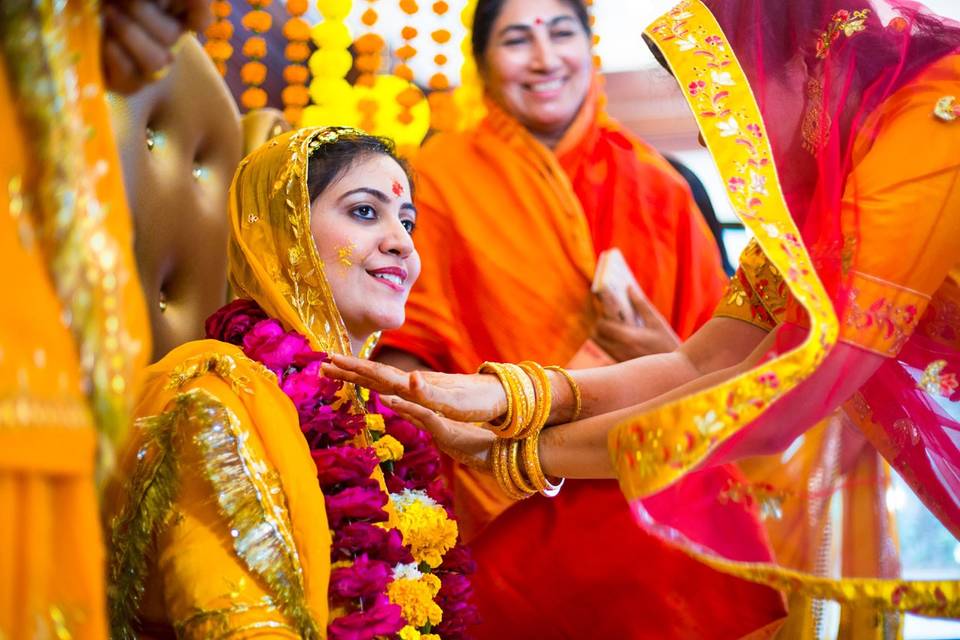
848, 295
514, 213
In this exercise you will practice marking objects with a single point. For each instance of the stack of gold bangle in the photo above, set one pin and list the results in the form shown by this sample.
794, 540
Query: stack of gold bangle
515, 455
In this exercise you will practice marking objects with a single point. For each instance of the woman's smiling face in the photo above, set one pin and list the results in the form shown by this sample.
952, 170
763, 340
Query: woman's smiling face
362, 225
538, 64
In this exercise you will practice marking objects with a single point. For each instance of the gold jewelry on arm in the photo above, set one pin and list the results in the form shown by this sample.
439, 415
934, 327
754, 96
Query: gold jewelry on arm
574, 387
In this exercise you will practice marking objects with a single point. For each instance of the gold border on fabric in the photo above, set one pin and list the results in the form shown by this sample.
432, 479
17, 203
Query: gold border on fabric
651, 451
655, 449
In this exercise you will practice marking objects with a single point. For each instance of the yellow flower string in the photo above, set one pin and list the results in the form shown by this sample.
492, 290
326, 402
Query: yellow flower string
425, 526
254, 72
415, 599
469, 95
332, 96
443, 108
297, 32
218, 35
369, 48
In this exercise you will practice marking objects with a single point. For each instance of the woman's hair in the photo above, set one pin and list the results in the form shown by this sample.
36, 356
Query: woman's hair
489, 10
331, 160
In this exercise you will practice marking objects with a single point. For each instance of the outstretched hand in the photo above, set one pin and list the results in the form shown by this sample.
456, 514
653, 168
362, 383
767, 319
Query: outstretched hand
465, 398
466, 443
626, 341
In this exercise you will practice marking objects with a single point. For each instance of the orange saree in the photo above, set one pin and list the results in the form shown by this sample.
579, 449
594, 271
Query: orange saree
73, 329
507, 229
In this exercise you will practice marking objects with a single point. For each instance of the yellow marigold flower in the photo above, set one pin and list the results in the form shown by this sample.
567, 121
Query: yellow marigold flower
416, 602
425, 527
431, 581
409, 633
430, 636
388, 448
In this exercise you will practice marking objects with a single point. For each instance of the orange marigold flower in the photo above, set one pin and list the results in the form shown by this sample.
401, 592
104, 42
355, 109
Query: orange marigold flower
408, 33
409, 6
440, 8
260, 4
218, 49
404, 71
295, 95
369, 63
369, 17
258, 21
296, 29
367, 106
440, 59
439, 82
220, 30
405, 117
295, 74
293, 115
406, 52
297, 51
409, 97
369, 43
297, 7
255, 47
366, 80
253, 98
253, 73
221, 8
440, 36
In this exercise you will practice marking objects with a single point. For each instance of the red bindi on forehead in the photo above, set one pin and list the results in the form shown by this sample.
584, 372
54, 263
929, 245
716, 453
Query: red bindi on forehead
538, 21
397, 188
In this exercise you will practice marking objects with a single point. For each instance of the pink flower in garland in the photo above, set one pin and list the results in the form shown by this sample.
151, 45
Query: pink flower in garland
364, 578
270, 345
338, 465
234, 321
379, 618
364, 538
357, 503
327, 427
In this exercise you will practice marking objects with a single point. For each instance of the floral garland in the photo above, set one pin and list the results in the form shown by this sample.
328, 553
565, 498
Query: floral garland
397, 568
297, 32
218, 35
254, 73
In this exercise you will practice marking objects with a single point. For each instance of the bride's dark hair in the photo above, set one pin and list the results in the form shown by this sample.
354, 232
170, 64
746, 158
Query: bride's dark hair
332, 159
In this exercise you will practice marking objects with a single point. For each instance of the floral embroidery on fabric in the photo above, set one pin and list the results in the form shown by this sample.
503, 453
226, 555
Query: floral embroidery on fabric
947, 109
843, 23
647, 454
880, 316
766, 497
937, 382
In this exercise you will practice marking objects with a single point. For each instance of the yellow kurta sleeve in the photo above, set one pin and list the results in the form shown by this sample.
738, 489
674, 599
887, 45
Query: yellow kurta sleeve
218, 519
756, 293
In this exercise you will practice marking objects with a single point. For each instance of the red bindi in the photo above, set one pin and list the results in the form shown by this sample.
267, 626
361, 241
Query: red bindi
397, 188
538, 21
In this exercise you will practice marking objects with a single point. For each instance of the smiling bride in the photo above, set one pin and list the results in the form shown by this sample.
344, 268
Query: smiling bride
256, 496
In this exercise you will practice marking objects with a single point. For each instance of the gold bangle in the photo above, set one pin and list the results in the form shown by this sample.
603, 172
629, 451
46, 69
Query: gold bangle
520, 481
544, 397
500, 455
496, 369
577, 397
520, 389
531, 460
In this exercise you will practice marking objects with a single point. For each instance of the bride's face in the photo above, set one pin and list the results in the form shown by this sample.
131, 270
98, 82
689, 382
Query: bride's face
362, 225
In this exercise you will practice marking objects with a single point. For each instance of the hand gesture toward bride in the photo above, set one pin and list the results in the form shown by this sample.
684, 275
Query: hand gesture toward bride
464, 398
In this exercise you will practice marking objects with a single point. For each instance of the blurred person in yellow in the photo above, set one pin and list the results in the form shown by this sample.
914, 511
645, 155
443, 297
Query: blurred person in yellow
73, 328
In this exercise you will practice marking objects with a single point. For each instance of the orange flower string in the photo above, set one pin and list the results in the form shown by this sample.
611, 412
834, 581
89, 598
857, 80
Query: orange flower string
297, 32
408, 98
254, 72
597, 62
369, 49
218, 35
443, 109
